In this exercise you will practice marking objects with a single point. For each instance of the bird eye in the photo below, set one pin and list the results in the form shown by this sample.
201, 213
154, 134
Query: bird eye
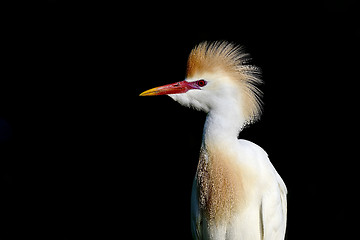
201, 83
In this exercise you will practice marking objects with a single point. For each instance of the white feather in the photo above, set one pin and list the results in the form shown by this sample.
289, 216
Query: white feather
264, 215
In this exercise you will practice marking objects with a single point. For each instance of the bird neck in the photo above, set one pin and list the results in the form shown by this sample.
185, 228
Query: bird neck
218, 178
223, 124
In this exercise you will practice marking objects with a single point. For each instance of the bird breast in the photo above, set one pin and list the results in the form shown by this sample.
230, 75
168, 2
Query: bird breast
220, 182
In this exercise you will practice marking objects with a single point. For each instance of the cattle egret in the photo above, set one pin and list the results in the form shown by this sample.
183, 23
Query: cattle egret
236, 193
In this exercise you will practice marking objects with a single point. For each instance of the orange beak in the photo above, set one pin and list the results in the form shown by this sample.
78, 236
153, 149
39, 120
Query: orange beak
173, 88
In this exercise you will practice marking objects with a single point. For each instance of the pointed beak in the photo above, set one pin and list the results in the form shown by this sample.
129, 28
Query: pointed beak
173, 88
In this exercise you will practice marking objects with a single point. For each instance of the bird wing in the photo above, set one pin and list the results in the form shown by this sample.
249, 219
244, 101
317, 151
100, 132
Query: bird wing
273, 211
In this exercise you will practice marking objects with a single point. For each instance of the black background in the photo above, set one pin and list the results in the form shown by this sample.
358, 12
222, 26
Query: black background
82, 156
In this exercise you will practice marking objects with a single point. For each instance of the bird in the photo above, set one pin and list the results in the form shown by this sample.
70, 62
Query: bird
236, 191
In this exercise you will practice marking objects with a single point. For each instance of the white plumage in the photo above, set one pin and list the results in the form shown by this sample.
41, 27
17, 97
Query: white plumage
237, 193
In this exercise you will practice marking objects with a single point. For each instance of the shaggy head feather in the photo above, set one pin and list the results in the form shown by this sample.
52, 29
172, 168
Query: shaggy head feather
221, 58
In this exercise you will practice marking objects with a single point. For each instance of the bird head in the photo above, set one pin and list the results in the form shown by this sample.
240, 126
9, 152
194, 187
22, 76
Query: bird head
218, 77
